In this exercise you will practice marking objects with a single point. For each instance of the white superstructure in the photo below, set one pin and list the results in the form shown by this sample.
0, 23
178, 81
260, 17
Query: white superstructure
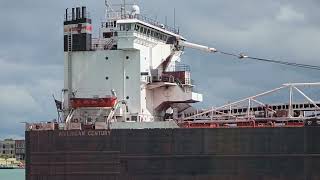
133, 73
139, 59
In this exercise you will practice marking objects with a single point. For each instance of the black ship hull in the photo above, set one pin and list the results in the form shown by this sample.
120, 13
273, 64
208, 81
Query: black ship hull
174, 154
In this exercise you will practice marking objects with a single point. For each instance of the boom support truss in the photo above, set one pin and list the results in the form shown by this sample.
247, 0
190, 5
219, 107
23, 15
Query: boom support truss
253, 109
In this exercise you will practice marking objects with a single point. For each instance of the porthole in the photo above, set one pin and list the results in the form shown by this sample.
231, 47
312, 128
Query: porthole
107, 78
127, 97
127, 77
107, 58
127, 57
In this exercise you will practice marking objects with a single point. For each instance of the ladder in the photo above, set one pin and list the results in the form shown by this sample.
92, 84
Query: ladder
69, 109
70, 42
109, 44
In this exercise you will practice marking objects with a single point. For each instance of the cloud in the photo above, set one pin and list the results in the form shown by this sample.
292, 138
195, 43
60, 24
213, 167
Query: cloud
16, 105
288, 14
15, 99
25, 93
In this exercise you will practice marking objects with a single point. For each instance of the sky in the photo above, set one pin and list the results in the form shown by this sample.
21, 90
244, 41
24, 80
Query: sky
31, 49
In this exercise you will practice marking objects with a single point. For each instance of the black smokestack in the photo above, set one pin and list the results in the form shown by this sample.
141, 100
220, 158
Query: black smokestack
77, 13
67, 14
84, 12
73, 18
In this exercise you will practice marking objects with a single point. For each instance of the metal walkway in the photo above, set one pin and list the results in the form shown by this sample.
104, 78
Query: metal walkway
251, 108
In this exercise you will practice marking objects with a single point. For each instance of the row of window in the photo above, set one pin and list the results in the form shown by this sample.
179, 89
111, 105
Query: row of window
4, 146
7, 152
144, 30
151, 32
112, 24
125, 27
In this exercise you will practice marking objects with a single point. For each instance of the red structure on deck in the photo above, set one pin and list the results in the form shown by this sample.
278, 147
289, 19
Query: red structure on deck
93, 102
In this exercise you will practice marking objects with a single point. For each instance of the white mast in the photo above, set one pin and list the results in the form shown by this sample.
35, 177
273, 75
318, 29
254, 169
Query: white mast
108, 8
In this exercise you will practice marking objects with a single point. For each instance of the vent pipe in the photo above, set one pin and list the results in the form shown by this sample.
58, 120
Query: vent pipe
77, 13
67, 14
84, 12
73, 17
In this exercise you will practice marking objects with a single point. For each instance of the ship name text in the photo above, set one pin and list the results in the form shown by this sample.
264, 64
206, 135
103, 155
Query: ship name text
83, 133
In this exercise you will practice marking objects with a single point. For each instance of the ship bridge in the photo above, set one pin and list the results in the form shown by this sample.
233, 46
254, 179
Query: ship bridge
124, 29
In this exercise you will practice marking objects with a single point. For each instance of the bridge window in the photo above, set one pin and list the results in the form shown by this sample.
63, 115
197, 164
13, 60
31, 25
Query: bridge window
137, 27
111, 24
121, 27
149, 32
107, 34
125, 27
128, 27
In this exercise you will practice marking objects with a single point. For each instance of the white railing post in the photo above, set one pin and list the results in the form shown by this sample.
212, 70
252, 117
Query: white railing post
290, 102
309, 99
249, 107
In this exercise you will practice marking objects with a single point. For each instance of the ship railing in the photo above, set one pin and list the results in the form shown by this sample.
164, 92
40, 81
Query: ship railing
44, 126
185, 83
156, 23
178, 67
244, 124
118, 15
180, 74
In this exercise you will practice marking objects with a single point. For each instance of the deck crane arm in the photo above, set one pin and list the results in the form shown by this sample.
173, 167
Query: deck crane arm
183, 43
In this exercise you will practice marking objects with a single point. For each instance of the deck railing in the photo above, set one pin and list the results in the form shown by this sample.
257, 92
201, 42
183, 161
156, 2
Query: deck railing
116, 15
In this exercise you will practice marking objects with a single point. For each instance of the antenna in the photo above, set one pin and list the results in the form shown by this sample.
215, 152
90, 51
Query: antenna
124, 6
108, 5
174, 18
166, 21
108, 8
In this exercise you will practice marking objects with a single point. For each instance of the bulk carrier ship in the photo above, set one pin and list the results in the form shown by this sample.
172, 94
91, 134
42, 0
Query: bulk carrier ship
126, 114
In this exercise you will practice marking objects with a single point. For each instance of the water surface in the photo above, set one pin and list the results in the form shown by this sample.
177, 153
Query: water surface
12, 174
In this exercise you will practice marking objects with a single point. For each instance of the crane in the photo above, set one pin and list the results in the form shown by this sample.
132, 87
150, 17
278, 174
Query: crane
183, 43
196, 46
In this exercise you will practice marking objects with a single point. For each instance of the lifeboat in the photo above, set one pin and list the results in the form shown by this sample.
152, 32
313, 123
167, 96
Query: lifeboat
107, 102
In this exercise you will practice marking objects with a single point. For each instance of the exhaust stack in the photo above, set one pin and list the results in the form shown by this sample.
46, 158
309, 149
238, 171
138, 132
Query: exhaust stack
77, 30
